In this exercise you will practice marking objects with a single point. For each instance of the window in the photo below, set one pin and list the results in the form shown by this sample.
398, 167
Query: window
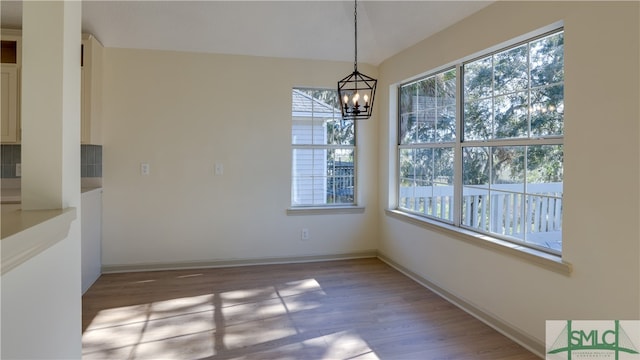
323, 150
427, 130
497, 166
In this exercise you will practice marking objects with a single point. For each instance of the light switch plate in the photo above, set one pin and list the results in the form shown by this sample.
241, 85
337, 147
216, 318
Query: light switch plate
218, 169
145, 169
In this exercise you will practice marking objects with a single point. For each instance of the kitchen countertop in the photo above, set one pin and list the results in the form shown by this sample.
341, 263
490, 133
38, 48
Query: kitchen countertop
10, 196
25, 234
11, 191
16, 221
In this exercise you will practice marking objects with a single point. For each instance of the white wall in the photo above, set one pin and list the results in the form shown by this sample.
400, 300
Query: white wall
601, 198
41, 304
183, 112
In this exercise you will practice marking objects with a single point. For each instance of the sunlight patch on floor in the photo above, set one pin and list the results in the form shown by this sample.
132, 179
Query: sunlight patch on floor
110, 340
189, 276
119, 316
210, 324
183, 346
253, 334
182, 305
298, 287
247, 295
347, 345
237, 314
178, 325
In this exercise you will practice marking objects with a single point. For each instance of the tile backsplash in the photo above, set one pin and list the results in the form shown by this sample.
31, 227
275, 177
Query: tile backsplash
90, 160
11, 156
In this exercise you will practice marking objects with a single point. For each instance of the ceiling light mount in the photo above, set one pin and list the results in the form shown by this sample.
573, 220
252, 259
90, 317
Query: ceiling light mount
356, 91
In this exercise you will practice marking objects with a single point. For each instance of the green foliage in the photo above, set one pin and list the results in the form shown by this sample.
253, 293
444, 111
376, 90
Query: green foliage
428, 116
427, 109
339, 131
508, 97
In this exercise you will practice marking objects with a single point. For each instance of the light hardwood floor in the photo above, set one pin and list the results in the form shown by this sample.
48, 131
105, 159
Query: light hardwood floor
348, 309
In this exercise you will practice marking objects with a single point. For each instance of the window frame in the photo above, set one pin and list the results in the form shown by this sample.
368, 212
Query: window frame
459, 143
297, 209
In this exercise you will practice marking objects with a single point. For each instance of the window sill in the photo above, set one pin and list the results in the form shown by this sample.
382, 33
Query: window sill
536, 257
329, 210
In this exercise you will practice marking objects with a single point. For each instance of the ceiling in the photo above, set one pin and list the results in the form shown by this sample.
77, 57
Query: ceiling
306, 29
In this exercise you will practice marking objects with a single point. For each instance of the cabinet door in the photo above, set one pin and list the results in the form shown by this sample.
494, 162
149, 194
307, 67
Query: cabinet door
85, 115
9, 110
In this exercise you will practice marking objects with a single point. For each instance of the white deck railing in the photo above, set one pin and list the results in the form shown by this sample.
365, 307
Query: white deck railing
534, 217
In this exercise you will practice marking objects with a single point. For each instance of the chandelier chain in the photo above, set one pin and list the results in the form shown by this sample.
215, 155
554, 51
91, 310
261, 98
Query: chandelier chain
355, 21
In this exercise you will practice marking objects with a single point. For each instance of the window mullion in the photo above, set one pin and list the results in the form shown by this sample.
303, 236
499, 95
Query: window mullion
457, 153
529, 89
525, 205
556, 140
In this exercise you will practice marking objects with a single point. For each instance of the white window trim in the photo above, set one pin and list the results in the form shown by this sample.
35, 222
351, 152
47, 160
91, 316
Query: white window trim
325, 210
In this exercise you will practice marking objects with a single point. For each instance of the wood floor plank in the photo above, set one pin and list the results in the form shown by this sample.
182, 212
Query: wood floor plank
347, 309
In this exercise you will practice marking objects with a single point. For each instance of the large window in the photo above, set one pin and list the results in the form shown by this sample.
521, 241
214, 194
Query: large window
323, 150
492, 160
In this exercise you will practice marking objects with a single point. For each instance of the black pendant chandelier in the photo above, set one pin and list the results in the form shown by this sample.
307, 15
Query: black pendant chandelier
356, 91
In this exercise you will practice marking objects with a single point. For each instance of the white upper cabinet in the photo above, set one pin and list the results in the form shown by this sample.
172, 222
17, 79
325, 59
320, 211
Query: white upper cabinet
91, 88
9, 109
10, 92
91, 91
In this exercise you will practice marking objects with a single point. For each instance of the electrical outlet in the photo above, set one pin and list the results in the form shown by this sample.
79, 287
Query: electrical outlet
305, 234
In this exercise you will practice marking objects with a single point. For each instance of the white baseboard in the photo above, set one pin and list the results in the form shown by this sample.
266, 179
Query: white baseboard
110, 269
518, 336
